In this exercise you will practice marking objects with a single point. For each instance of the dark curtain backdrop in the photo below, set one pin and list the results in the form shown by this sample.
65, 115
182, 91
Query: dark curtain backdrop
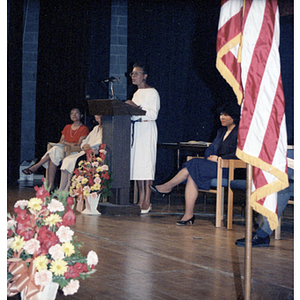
14, 86
73, 54
177, 39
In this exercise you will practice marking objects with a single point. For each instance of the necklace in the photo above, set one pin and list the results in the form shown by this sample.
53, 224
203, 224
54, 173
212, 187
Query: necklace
74, 131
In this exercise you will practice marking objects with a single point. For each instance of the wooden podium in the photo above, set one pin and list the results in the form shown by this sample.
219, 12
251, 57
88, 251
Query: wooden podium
116, 124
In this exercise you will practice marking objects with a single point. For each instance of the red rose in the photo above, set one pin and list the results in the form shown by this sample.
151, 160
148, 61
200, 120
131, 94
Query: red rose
47, 239
68, 218
81, 267
72, 272
102, 156
76, 172
89, 154
41, 192
75, 270
70, 201
20, 212
28, 234
105, 175
23, 224
102, 146
91, 180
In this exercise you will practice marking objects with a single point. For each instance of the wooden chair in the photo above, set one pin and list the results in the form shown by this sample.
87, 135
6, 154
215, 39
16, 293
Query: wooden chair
218, 185
238, 184
233, 184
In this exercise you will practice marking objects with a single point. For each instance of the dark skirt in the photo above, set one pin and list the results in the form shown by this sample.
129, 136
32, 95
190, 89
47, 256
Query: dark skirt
202, 171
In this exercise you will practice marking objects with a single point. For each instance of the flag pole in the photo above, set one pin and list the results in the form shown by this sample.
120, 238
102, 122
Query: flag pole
248, 241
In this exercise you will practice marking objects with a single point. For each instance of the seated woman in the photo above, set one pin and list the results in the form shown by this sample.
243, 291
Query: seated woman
72, 135
93, 140
198, 172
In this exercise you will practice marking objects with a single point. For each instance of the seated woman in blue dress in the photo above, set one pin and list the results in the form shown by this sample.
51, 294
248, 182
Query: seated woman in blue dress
198, 172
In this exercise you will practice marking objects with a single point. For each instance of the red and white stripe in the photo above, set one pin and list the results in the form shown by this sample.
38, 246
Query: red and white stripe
262, 140
228, 44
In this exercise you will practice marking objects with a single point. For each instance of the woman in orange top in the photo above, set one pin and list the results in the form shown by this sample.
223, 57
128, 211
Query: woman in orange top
72, 135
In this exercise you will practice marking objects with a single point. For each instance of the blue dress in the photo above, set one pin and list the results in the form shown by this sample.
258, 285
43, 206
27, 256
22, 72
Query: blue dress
202, 170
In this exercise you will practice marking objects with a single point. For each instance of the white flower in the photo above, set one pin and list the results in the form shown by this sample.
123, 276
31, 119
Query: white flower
9, 241
65, 234
55, 205
103, 151
23, 203
56, 252
32, 245
43, 277
11, 223
92, 258
71, 288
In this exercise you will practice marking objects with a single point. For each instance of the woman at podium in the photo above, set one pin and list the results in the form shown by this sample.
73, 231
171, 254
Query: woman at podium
198, 172
144, 135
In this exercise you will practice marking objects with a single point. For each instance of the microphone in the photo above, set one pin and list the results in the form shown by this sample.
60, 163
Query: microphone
111, 79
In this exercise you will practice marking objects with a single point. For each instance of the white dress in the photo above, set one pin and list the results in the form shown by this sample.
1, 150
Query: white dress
94, 139
143, 149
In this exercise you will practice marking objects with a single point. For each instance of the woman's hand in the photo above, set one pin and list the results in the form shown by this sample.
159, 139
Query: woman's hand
130, 102
213, 158
86, 147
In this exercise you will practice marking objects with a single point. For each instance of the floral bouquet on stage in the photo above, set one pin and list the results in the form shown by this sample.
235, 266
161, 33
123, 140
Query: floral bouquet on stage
41, 248
91, 180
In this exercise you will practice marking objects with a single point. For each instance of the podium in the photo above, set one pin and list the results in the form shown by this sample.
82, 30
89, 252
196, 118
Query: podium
116, 134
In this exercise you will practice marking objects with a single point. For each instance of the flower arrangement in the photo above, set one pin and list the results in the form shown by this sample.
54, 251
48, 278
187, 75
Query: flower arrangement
41, 247
92, 177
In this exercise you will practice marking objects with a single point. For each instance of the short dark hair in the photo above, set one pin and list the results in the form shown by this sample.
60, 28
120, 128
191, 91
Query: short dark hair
143, 66
232, 109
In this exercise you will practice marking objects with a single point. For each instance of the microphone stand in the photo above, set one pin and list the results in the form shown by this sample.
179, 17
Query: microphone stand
112, 89
114, 97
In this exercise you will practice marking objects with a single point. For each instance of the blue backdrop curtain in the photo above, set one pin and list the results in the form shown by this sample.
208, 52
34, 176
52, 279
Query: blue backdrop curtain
73, 55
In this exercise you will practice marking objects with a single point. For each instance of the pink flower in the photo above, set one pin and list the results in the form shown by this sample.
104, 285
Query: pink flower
105, 168
55, 205
32, 246
95, 164
94, 195
56, 252
92, 258
97, 180
65, 234
71, 288
87, 188
43, 277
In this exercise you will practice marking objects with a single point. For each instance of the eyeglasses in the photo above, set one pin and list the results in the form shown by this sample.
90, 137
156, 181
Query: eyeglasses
136, 73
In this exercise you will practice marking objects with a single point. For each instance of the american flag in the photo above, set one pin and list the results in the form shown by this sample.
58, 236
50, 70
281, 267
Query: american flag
248, 58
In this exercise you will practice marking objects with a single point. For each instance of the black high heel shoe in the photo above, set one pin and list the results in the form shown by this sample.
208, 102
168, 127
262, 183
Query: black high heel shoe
183, 223
156, 191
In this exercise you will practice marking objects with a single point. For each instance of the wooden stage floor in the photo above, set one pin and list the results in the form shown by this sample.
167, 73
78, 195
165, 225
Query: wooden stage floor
149, 257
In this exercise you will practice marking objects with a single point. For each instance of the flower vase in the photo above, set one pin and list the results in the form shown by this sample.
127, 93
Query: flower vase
49, 292
91, 204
